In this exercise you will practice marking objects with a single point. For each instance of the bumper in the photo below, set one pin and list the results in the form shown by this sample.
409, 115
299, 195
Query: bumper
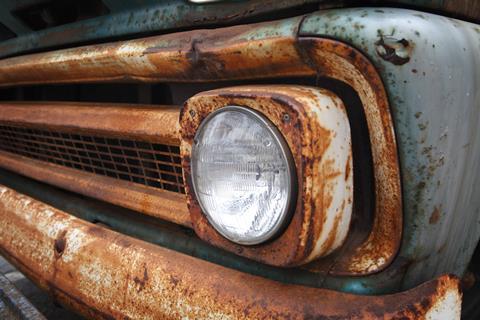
102, 274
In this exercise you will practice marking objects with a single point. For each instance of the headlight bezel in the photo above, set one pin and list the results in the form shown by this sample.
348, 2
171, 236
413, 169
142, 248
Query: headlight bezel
286, 153
316, 128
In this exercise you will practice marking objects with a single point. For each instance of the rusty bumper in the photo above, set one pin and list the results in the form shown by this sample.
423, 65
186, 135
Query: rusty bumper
104, 274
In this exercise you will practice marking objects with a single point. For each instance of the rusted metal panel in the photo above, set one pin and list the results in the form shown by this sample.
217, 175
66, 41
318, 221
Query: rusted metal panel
245, 52
336, 60
187, 56
161, 204
130, 17
146, 123
107, 275
142, 122
435, 107
177, 238
324, 167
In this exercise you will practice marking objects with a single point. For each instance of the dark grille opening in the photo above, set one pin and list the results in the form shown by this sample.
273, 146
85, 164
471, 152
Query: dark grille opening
50, 13
151, 164
6, 33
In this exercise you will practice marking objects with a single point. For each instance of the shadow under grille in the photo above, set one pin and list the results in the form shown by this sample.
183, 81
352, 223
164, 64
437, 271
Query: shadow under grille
150, 164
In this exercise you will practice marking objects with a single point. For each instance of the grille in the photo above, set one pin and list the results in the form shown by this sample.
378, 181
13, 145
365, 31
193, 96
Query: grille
150, 164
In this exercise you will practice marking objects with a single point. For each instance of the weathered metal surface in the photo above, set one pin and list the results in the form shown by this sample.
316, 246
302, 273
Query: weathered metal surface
142, 122
245, 52
158, 203
130, 17
104, 274
336, 60
435, 150
146, 123
179, 239
324, 167
187, 56
14, 305
435, 106
466, 9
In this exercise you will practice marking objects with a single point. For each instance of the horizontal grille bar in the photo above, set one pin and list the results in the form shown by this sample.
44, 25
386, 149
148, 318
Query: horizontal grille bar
125, 154
151, 164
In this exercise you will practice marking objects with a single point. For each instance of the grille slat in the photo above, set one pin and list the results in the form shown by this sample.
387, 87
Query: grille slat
151, 164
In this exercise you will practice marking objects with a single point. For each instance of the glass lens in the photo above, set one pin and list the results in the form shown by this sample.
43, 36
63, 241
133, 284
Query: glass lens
241, 175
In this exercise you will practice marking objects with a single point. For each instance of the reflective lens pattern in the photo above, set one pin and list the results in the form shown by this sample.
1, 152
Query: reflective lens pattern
242, 173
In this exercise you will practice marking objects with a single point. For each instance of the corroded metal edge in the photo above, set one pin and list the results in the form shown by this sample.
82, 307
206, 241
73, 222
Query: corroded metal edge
315, 125
103, 274
158, 203
153, 123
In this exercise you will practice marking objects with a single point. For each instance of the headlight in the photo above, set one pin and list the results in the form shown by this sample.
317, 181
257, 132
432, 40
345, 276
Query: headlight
243, 175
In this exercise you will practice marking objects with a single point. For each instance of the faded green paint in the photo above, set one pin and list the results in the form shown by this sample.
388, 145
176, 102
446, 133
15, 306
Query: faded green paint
431, 74
146, 17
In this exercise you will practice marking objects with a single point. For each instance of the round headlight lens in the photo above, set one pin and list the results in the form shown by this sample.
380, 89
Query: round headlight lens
243, 175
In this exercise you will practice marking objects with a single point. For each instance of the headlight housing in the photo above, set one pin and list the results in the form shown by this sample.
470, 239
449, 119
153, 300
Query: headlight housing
243, 175
308, 125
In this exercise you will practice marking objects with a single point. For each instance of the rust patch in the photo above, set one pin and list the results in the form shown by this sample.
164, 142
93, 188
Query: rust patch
347, 169
468, 280
59, 244
339, 61
97, 288
331, 235
140, 283
396, 51
130, 121
435, 216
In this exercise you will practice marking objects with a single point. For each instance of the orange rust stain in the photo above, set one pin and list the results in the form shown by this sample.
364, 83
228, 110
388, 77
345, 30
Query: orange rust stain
332, 234
177, 285
60, 244
435, 216
334, 59
141, 283
347, 166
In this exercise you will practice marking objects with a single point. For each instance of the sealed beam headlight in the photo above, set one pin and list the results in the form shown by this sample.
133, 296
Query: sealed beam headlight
243, 175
